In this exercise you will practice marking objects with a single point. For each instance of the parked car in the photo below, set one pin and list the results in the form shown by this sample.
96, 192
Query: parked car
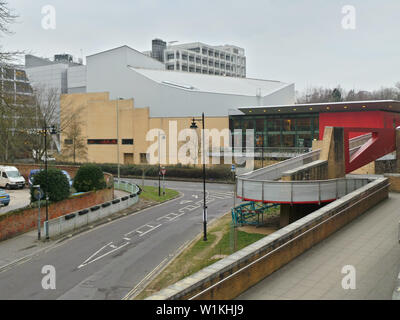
11, 178
35, 171
4, 198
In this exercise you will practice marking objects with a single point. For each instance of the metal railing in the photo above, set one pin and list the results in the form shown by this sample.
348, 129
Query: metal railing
262, 184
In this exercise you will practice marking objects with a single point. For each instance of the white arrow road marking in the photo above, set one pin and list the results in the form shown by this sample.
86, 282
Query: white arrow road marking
89, 260
185, 201
195, 196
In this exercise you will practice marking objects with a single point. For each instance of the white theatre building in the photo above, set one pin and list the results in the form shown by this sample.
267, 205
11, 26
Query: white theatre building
126, 73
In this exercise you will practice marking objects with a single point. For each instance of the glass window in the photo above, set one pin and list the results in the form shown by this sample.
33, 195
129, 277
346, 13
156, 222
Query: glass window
260, 125
274, 140
8, 73
289, 124
304, 124
248, 124
20, 75
143, 158
288, 140
304, 140
259, 140
274, 124
127, 141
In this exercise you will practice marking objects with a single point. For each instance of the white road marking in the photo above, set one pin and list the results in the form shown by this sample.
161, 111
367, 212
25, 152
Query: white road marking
150, 230
89, 261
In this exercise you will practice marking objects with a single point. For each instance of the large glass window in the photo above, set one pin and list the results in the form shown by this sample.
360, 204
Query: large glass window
304, 124
288, 140
289, 125
260, 125
274, 124
248, 124
274, 140
304, 140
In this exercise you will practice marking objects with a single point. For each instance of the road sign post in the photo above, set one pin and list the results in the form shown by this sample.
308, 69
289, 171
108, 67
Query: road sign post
163, 171
38, 195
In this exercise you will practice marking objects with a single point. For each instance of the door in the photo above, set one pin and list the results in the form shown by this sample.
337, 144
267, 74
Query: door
3, 178
128, 158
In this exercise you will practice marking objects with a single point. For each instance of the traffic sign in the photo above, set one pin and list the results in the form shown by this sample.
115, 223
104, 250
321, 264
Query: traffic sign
233, 168
38, 194
163, 171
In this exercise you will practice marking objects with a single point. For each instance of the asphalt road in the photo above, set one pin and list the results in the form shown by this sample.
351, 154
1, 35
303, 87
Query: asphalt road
110, 260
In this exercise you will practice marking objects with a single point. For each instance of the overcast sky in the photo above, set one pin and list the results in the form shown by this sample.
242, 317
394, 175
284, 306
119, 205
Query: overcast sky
296, 41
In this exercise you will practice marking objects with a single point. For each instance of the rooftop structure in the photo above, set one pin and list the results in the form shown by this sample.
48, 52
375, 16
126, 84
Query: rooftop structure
198, 57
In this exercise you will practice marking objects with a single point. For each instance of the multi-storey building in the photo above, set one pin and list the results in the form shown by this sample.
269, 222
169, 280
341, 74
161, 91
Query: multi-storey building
197, 57
14, 85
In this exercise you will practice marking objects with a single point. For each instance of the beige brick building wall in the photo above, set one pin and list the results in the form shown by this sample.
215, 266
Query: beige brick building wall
98, 115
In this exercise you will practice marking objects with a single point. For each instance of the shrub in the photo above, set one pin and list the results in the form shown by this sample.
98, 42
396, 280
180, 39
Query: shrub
89, 177
56, 184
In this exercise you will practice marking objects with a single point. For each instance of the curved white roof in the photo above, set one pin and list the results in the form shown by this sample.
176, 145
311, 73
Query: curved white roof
212, 83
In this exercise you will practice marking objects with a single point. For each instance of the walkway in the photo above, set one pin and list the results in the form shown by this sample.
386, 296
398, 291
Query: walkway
369, 243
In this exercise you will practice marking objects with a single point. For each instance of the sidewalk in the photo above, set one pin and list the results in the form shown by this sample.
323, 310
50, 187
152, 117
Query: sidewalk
23, 246
369, 243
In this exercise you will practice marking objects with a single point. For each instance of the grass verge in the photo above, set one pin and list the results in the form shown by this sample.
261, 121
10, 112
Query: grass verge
151, 193
200, 254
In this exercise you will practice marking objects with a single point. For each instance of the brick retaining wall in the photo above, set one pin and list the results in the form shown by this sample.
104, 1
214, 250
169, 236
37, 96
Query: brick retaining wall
12, 224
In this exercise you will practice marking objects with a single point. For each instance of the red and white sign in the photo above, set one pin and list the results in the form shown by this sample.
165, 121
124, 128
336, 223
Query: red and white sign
163, 171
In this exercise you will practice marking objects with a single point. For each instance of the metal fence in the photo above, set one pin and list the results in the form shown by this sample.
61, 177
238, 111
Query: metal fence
261, 184
298, 191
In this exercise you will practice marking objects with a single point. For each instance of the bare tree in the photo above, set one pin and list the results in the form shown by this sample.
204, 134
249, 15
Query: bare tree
74, 145
321, 95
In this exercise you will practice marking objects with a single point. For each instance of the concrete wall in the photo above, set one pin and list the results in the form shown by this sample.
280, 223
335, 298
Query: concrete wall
81, 218
394, 180
316, 170
233, 275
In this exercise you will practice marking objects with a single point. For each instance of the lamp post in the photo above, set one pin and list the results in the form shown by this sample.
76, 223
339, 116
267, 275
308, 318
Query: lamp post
194, 126
46, 130
118, 165
160, 136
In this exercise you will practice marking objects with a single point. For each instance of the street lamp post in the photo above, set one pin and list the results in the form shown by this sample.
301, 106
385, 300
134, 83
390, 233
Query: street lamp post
118, 165
51, 130
194, 126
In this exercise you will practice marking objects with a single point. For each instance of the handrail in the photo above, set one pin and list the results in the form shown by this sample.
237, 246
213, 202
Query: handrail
261, 184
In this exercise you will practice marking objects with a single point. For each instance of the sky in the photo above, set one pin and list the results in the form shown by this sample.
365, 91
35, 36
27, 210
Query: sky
296, 41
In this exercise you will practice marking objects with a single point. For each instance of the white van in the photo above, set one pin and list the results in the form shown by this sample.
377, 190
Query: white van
11, 178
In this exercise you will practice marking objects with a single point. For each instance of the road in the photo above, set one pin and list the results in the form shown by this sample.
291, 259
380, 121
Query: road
110, 260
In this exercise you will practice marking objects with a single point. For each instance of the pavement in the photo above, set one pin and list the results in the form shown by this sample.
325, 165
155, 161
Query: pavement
369, 244
109, 260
